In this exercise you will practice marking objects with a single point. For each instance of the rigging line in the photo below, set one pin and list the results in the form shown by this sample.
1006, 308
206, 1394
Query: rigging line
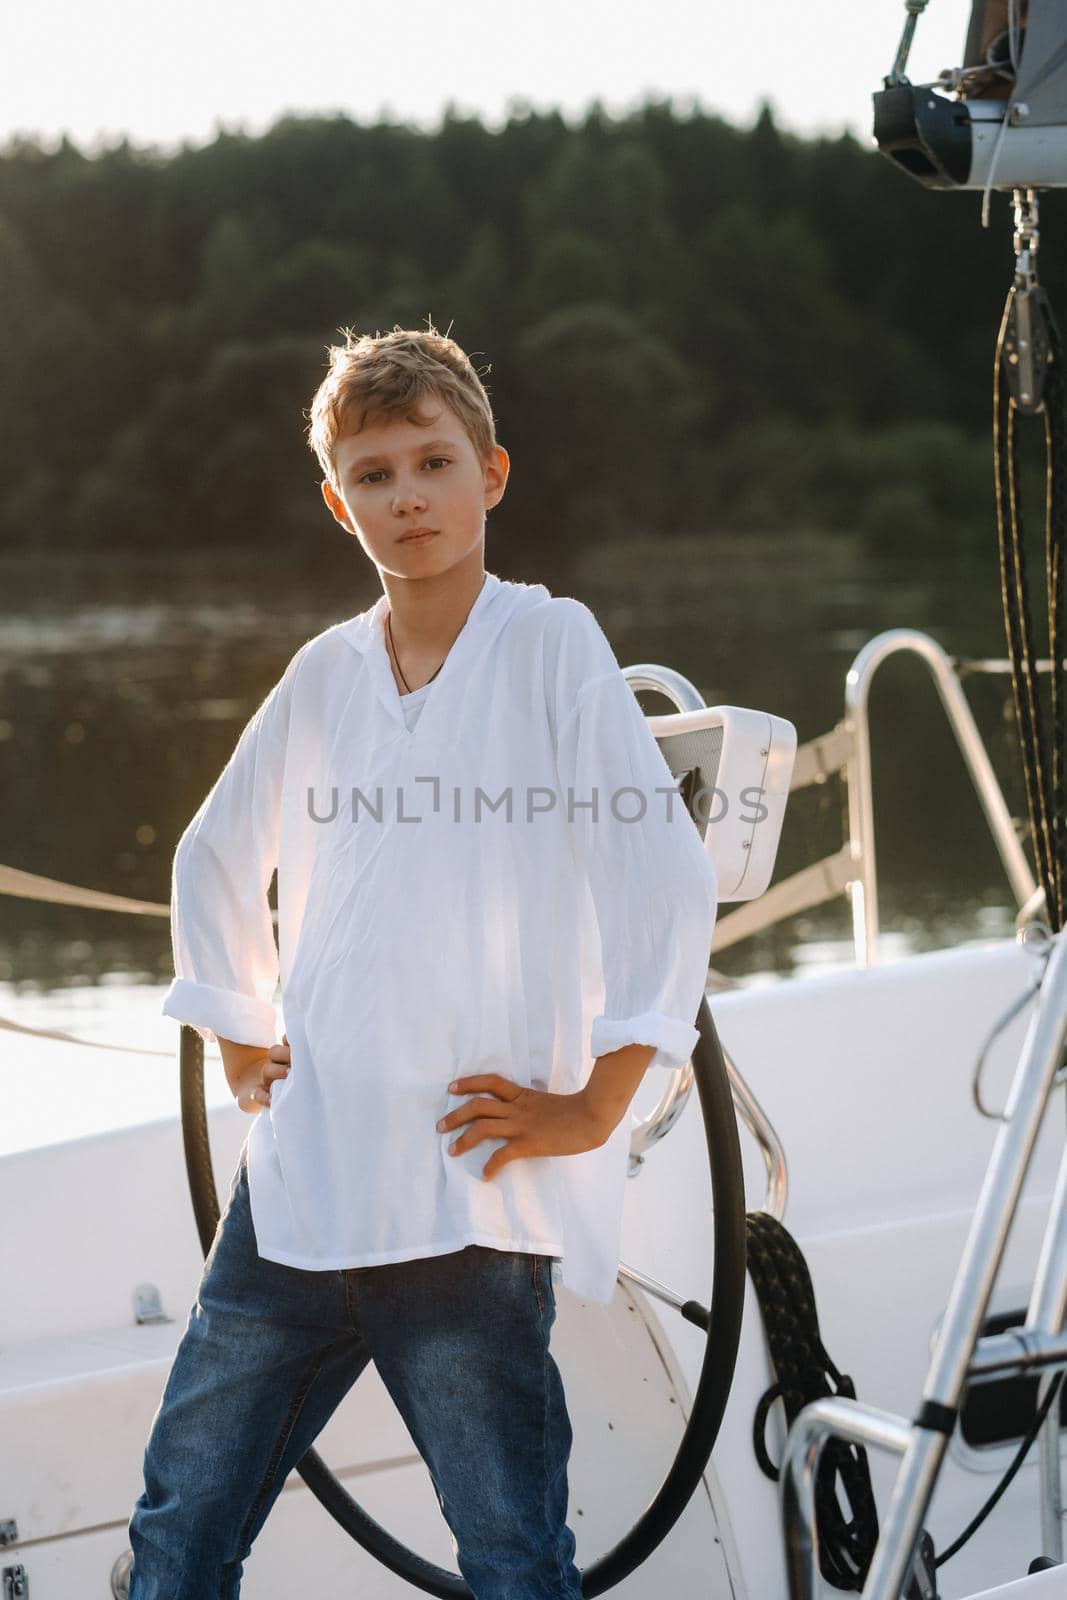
1015, 600
1001, 1488
9, 1026
1013, 51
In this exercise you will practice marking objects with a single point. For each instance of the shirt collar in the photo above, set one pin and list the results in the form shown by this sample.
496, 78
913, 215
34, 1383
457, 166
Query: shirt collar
366, 631
366, 634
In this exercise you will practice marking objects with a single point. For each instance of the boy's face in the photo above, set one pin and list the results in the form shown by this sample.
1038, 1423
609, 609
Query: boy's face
396, 476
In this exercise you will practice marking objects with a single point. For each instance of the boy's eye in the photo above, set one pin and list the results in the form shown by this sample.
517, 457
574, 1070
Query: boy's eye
376, 472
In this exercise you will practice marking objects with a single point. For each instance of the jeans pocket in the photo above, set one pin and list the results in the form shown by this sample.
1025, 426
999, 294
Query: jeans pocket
539, 1270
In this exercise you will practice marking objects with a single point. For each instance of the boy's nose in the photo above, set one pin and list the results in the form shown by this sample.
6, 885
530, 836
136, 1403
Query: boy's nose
405, 500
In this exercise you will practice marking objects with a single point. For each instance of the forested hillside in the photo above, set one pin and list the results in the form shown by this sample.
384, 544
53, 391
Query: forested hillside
688, 326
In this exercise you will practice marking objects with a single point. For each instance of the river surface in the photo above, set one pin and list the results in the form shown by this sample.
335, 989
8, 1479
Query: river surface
125, 682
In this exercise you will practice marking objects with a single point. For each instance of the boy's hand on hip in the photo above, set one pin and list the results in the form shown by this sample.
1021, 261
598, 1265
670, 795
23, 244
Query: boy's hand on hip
251, 1071
533, 1121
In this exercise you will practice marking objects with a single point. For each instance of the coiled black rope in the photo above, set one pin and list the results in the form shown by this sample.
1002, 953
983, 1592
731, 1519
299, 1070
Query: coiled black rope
805, 1372
1043, 772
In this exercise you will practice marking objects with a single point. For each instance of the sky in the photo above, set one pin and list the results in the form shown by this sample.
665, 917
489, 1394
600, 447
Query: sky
165, 75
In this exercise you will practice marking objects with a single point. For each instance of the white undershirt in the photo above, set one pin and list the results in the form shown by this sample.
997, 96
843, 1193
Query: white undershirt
412, 704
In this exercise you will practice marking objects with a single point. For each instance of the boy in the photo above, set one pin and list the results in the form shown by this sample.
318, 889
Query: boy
493, 914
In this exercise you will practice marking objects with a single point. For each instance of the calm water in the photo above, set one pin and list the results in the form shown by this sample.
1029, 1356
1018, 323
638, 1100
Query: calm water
124, 685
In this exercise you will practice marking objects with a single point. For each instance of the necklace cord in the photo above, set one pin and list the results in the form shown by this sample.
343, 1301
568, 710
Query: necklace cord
396, 658
392, 646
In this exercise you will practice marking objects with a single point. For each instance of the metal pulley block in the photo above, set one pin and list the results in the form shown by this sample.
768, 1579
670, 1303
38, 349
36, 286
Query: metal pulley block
1026, 351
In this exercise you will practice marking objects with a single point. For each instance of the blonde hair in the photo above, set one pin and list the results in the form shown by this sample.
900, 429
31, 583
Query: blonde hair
386, 375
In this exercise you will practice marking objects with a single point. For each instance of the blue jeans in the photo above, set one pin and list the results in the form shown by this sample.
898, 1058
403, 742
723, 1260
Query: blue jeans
461, 1344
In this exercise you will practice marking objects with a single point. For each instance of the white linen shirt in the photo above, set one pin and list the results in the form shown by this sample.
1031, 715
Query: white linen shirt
428, 931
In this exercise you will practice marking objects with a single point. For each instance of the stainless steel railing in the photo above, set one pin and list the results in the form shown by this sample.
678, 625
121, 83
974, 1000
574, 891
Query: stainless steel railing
960, 1355
864, 886
846, 750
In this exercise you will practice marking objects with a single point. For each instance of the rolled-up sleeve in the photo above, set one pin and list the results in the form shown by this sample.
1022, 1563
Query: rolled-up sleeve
652, 882
222, 931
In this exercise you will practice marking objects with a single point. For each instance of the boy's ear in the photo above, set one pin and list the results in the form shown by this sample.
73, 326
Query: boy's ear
336, 505
497, 467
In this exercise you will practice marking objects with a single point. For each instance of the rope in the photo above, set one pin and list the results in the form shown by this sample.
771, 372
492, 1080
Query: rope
91, 1044
53, 891
805, 1372
801, 1364
1045, 794
70, 1038
1016, 1462
1055, 560
31, 886
1009, 109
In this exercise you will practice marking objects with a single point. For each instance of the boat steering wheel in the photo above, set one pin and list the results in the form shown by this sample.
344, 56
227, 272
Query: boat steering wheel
721, 1322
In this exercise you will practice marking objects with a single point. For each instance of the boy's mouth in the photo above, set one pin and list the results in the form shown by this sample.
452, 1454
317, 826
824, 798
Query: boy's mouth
417, 535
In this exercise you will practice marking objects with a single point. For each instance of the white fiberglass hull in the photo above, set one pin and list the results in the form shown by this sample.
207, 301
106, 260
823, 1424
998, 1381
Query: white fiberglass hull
866, 1076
